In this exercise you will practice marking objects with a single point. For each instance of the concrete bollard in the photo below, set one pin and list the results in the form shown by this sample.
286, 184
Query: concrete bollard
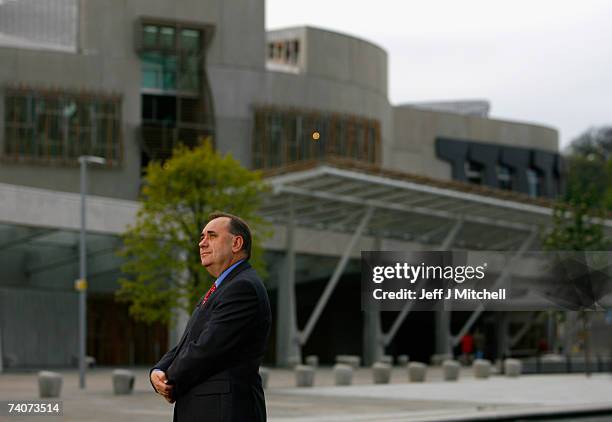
388, 359
264, 373
343, 374
513, 367
293, 361
381, 372
123, 381
353, 360
312, 360
304, 375
416, 371
437, 359
451, 370
49, 384
482, 368
402, 360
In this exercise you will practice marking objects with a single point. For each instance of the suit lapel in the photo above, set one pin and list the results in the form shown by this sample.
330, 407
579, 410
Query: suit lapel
244, 265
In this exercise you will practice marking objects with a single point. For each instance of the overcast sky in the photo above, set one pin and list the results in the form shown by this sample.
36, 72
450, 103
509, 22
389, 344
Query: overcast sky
542, 61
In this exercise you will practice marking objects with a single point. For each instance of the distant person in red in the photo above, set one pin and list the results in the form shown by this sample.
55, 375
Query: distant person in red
467, 347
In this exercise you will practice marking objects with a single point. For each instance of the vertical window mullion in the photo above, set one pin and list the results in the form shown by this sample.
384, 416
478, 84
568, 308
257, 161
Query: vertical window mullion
35, 104
92, 129
109, 132
65, 128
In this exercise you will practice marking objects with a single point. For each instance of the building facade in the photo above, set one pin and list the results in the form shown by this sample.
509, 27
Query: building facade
129, 80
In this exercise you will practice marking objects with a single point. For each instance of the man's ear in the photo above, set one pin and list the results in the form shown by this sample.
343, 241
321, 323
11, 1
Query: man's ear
237, 244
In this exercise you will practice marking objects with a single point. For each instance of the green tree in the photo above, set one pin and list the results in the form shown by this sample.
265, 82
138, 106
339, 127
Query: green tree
588, 197
589, 168
595, 141
576, 228
589, 182
162, 267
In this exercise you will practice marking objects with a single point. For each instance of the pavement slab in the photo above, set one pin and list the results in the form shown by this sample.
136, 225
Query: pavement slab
434, 400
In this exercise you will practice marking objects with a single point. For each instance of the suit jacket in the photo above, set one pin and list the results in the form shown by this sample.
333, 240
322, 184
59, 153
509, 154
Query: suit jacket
214, 369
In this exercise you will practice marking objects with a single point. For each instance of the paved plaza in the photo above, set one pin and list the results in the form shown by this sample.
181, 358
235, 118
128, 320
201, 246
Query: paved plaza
434, 400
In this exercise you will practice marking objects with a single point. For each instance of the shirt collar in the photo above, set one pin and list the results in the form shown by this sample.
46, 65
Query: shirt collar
226, 272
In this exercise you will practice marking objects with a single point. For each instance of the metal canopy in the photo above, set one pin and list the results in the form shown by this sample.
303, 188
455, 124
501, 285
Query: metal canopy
47, 259
423, 210
391, 205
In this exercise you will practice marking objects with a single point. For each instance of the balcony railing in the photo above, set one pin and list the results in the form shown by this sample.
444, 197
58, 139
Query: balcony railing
159, 139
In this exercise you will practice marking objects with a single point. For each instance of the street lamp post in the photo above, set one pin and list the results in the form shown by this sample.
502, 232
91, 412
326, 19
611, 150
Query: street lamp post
81, 284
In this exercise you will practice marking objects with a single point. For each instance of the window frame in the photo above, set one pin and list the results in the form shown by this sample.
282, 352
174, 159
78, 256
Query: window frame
41, 121
342, 136
181, 55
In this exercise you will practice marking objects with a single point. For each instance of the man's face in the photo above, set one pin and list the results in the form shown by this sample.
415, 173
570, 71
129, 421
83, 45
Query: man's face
216, 245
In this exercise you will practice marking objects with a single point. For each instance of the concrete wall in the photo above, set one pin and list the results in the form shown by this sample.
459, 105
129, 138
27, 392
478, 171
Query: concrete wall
235, 62
413, 145
332, 55
347, 59
314, 93
356, 83
107, 62
337, 73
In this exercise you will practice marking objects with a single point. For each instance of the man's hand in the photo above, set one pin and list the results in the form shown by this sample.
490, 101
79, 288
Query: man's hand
159, 380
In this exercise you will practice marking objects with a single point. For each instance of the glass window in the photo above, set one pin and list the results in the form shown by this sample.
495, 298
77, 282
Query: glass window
359, 141
152, 70
149, 36
168, 65
158, 71
190, 40
284, 52
474, 172
61, 126
167, 38
189, 76
169, 73
159, 109
296, 50
505, 177
284, 137
287, 52
534, 182
279, 50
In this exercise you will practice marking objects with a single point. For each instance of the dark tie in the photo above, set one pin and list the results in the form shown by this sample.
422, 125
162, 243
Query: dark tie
209, 292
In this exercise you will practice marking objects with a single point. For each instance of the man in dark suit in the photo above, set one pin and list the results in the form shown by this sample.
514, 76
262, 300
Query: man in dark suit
213, 372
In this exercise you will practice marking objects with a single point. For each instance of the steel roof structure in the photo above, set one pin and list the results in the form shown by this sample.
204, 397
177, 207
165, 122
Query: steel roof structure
333, 197
366, 201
